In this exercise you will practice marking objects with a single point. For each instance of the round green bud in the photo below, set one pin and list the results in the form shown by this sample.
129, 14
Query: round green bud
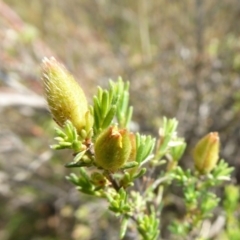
112, 148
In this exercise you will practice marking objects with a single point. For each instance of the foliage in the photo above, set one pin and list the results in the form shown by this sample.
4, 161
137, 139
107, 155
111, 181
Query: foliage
112, 159
181, 64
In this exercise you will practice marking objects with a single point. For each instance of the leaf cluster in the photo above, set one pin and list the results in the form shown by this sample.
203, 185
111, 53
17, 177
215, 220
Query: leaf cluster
140, 206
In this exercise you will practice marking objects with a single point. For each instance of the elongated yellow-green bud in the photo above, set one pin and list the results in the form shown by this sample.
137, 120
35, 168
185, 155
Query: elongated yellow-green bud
65, 97
206, 153
112, 148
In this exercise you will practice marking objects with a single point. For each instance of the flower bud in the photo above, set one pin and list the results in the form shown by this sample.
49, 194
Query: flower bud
98, 179
65, 97
112, 148
206, 153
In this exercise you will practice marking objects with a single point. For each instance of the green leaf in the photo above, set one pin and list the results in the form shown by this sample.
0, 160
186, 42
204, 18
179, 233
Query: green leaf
97, 108
128, 116
60, 132
99, 94
129, 165
144, 147
105, 103
69, 129
108, 119
140, 173
123, 227
77, 164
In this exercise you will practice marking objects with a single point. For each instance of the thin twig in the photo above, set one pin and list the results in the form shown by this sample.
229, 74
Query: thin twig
113, 181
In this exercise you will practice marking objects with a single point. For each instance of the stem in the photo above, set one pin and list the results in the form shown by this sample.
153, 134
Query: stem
112, 180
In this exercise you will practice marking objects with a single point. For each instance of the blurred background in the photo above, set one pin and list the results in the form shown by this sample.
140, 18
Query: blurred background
182, 59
